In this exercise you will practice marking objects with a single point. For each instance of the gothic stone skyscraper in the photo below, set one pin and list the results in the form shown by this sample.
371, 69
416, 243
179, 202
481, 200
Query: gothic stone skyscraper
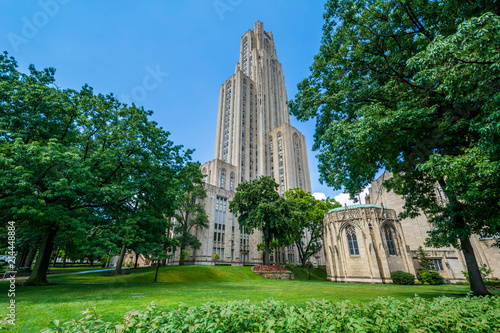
253, 138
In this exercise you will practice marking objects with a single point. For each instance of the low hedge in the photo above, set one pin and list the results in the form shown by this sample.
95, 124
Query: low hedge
402, 278
428, 277
386, 314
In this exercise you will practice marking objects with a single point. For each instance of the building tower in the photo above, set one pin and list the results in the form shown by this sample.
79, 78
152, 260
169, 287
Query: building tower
253, 138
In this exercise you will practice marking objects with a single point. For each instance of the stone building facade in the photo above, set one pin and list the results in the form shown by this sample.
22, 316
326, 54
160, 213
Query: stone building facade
364, 243
253, 138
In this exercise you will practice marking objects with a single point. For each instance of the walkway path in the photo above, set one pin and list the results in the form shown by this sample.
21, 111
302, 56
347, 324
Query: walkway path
24, 278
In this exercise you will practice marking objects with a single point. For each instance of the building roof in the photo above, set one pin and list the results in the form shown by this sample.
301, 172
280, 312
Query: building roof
357, 206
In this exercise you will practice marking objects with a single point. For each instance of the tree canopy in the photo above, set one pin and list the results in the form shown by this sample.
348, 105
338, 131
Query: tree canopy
412, 87
306, 226
71, 159
191, 213
258, 205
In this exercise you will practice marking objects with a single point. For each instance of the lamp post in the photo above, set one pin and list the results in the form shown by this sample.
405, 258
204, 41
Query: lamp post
244, 253
157, 268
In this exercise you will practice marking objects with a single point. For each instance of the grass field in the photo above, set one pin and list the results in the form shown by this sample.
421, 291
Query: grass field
192, 285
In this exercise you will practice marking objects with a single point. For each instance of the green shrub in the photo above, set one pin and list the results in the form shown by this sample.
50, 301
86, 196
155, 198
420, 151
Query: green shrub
428, 277
471, 314
289, 266
402, 278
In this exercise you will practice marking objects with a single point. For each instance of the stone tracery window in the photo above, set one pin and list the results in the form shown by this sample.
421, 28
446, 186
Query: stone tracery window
389, 240
352, 240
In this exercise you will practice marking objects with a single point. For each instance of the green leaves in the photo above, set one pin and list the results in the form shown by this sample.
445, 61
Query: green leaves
70, 160
382, 315
412, 87
307, 217
259, 206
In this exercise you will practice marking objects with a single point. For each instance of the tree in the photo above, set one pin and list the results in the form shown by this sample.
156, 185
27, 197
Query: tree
307, 220
412, 87
191, 214
69, 159
424, 261
258, 205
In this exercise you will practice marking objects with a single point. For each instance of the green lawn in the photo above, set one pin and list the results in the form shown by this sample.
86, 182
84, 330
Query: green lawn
192, 285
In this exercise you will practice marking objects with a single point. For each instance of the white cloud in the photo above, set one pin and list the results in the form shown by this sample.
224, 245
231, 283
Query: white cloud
343, 198
319, 195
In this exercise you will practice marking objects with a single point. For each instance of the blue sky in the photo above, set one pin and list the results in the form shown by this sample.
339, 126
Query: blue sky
168, 56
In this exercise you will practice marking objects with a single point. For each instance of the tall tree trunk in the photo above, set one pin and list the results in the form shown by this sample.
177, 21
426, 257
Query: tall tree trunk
30, 257
302, 256
181, 257
118, 269
136, 258
64, 260
477, 285
108, 260
92, 262
39, 275
21, 256
266, 252
55, 258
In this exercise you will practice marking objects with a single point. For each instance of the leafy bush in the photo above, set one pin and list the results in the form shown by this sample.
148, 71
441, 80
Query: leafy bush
289, 266
428, 277
495, 283
382, 315
484, 270
402, 278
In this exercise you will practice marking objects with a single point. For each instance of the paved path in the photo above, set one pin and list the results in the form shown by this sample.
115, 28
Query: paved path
24, 278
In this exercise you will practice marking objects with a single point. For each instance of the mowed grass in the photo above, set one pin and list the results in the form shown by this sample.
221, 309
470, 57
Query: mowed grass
191, 285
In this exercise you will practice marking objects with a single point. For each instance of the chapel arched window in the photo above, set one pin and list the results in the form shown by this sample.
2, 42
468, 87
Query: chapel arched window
389, 240
352, 240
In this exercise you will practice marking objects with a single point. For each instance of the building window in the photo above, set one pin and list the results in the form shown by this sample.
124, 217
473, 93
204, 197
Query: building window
245, 56
281, 169
389, 240
251, 67
243, 111
299, 167
352, 240
220, 219
231, 183
219, 251
227, 119
271, 160
222, 179
438, 264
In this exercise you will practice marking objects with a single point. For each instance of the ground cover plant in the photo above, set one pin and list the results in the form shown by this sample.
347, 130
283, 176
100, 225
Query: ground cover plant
382, 315
192, 286
268, 268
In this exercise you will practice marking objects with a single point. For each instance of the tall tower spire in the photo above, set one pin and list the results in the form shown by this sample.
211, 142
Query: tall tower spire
252, 104
253, 138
